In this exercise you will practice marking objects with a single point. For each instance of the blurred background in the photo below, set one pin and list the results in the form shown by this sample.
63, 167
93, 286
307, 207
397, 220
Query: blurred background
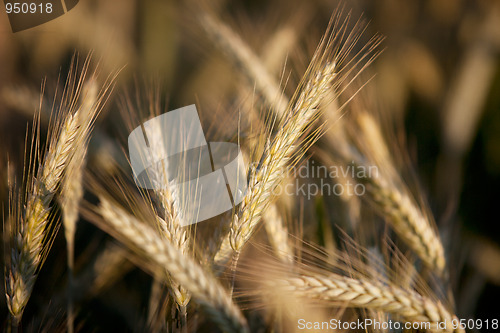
438, 76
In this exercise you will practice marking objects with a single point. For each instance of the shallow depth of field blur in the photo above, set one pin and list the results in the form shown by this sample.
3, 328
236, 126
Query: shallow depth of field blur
436, 85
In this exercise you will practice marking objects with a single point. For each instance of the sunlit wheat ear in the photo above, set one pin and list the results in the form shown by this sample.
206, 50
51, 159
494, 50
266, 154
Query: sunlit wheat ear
31, 225
166, 259
408, 222
169, 206
332, 66
71, 189
91, 101
346, 280
362, 293
267, 86
254, 69
390, 195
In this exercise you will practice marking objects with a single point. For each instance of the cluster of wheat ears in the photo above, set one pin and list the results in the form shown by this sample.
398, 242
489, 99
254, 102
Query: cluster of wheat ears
232, 275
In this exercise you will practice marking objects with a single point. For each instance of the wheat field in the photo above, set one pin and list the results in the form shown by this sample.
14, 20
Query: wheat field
369, 134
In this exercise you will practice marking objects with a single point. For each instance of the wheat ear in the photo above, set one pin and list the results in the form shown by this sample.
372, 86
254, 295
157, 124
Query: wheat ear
277, 234
369, 294
271, 170
392, 197
72, 189
408, 222
170, 222
328, 70
257, 74
169, 260
32, 231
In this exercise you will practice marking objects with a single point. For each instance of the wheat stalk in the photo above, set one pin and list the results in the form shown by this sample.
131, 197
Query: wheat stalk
169, 260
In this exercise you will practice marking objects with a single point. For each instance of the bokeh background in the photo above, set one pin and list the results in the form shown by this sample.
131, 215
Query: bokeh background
438, 76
